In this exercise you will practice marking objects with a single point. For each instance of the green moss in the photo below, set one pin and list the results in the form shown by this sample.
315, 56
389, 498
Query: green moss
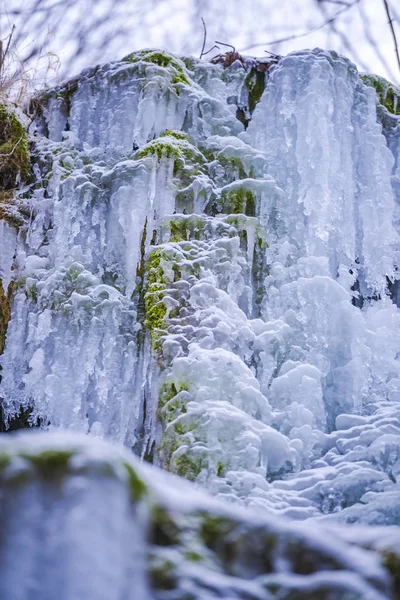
193, 556
388, 94
178, 135
50, 462
164, 530
14, 150
214, 529
159, 148
255, 84
162, 59
162, 573
155, 309
5, 460
171, 405
31, 292
167, 392
5, 312
391, 561
239, 200
67, 92
137, 487
220, 469
188, 466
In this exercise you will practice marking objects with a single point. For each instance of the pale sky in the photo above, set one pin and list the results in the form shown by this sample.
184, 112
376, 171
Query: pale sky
249, 25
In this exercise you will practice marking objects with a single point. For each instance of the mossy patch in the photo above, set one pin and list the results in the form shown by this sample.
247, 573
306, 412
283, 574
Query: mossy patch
164, 530
160, 148
239, 200
213, 529
188, 466
391, 561
178, 135
161, 58
155, 309
255, 84
162, 573
188, 160
14, 150
388, 94
5, 312
50, 463
137, 487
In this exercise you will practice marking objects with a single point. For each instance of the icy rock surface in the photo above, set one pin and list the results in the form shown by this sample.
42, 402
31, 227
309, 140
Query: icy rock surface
83, 519
223, 301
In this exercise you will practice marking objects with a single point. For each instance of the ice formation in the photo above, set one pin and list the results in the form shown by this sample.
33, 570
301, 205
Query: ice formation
219, 294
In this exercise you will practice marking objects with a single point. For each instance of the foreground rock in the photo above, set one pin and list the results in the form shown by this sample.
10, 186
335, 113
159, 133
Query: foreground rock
83, 519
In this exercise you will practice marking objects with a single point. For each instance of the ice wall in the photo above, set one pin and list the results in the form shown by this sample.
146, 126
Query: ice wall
221, 300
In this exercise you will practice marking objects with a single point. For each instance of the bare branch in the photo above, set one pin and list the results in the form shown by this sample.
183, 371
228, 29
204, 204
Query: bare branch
208, 51
372, 41
390, 20
204, 38
296, 36
229, 45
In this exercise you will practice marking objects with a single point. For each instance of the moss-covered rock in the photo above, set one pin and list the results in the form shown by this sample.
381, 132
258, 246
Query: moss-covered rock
388, 94
14, 150
161, 58
255, 84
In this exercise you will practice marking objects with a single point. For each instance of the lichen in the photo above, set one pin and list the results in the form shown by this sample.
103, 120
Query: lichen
14, 150
388, 94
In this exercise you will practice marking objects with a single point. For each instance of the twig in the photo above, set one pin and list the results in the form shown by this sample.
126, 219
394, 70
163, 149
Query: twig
9, 42
204, 38
208, 51
229, 45
13, 150
396, 47
272, 54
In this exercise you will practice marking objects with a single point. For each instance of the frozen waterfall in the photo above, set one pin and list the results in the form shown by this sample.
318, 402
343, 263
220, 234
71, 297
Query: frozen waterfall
217, 294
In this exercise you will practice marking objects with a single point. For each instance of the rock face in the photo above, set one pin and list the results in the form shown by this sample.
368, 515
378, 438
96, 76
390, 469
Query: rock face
205, 271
